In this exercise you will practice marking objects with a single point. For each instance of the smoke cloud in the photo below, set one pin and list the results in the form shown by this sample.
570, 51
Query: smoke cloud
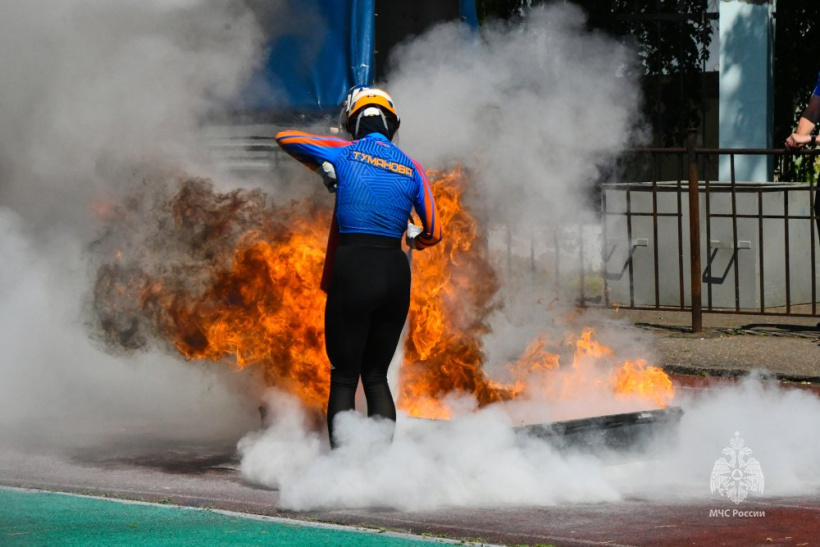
98, 98
474, 461
533, 109
94, 90
533, 112
480, 459
766, 417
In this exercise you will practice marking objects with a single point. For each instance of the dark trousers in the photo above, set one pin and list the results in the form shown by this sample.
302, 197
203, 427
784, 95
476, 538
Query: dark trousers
367, 304
817, 208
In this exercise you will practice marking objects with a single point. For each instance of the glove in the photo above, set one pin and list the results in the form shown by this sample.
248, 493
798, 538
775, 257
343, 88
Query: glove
328, 174
413, 232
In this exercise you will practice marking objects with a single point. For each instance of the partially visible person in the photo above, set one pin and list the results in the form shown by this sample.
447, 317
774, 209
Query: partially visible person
367, 275
808, 120
804, 135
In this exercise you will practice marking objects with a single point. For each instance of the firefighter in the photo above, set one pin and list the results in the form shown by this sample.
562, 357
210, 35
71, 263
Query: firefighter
367, 274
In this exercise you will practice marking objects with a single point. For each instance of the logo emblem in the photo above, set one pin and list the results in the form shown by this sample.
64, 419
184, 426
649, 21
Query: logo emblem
738, 475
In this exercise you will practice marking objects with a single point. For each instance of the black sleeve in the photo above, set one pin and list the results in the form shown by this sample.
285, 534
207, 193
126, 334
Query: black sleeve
812, 112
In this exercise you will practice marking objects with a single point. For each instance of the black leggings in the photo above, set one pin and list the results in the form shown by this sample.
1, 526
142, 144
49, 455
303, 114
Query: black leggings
817, 209
367, 304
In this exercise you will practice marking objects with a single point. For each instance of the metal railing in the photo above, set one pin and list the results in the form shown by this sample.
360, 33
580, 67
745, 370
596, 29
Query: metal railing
760, 238
674, 196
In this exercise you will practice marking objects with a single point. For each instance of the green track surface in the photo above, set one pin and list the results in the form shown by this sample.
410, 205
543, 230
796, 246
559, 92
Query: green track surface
42, 518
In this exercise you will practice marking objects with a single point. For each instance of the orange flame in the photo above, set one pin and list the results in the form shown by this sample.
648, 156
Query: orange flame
247, 297
248, 294
640, 378
593, 378
453, 287
269, 312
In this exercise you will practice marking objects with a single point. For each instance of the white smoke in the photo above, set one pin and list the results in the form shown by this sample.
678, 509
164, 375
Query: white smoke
479, 459
97, 97
532, 112
59, 388
768, 418
474, 461
92, 89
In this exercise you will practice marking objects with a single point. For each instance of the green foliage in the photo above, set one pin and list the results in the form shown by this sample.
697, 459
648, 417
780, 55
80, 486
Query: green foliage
672, 38
797, 167
498, 9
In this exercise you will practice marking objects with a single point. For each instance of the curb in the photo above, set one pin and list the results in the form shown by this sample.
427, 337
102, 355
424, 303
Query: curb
739, 373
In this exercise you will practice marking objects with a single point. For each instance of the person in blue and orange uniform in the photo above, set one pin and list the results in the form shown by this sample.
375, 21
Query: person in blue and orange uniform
367, 274
803, 135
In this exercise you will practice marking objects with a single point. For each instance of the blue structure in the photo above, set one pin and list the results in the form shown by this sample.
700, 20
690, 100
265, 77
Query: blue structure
468, 13
321, 49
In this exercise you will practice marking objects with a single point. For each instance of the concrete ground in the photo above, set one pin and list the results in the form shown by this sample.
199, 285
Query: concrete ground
207, 476
196, 478
731, 345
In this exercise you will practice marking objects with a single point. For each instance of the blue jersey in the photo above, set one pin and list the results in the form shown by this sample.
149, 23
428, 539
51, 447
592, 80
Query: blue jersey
817, 86
378, 185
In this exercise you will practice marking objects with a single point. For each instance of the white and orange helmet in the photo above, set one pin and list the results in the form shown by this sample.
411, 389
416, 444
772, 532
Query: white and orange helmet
360, 100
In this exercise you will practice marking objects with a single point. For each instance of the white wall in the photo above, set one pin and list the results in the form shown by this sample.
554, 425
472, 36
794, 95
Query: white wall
746, 48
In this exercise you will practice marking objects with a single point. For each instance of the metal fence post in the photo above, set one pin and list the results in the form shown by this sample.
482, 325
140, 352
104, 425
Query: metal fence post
694, 232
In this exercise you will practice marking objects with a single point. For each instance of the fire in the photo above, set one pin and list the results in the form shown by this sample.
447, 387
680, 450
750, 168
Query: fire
269, 313
640, 378
239, 284
453, 289
231, 278
269, 310
594, 375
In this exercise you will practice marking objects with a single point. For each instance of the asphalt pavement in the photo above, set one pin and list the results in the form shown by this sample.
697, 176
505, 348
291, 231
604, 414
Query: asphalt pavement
788, 347
199, 482
729, 347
